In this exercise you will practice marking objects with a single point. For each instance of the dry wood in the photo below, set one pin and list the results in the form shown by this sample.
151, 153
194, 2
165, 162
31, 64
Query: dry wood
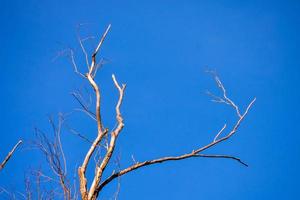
107, 139
6, 159
98, 184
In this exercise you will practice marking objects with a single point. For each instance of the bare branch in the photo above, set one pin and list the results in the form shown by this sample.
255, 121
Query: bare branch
85, 108
98, 102
74, 64
220, 132
4, 162
225, 98
68, 52
133, 159
93, 64
222, 156
73, 131
90, 76
82, 46
228, 100
110, 138
194, 153
53, 151
114, 135
99, 65
118, 113
83, 167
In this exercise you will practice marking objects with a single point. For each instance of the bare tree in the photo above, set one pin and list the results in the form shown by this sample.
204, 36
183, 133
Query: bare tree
99, 182
105, 139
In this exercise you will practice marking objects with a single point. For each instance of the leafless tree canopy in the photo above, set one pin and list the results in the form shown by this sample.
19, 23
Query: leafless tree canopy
90, 189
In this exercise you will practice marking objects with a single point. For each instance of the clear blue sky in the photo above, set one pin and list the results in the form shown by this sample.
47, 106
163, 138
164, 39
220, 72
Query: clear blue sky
160, 49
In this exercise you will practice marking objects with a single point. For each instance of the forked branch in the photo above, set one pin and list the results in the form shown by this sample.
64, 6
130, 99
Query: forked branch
101, 133
194, 153
224, 99
93, 194
110, 137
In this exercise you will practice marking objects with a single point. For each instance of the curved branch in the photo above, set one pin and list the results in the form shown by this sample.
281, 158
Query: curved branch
114, 135
194, 153
90, 76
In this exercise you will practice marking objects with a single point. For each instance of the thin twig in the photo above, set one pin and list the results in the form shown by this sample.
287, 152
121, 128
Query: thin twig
85, 108
82, 46
74, 64
223, 156
225, 99
220, 132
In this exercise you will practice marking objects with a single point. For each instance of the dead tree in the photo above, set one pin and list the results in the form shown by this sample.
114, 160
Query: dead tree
106, 138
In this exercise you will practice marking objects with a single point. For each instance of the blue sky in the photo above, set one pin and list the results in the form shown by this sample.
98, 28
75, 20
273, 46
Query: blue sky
161, 50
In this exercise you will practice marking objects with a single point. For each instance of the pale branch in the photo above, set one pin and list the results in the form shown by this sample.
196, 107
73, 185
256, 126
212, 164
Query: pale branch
114, 135
228, 100
93, 64
111, 137
121, 91
215, 98
102, 40
220, 132
133, 159
83, 167
225, 99
74, 64
82, 46
9, 155
87, 38
194, 153
98, 102
90, 76
68, 52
